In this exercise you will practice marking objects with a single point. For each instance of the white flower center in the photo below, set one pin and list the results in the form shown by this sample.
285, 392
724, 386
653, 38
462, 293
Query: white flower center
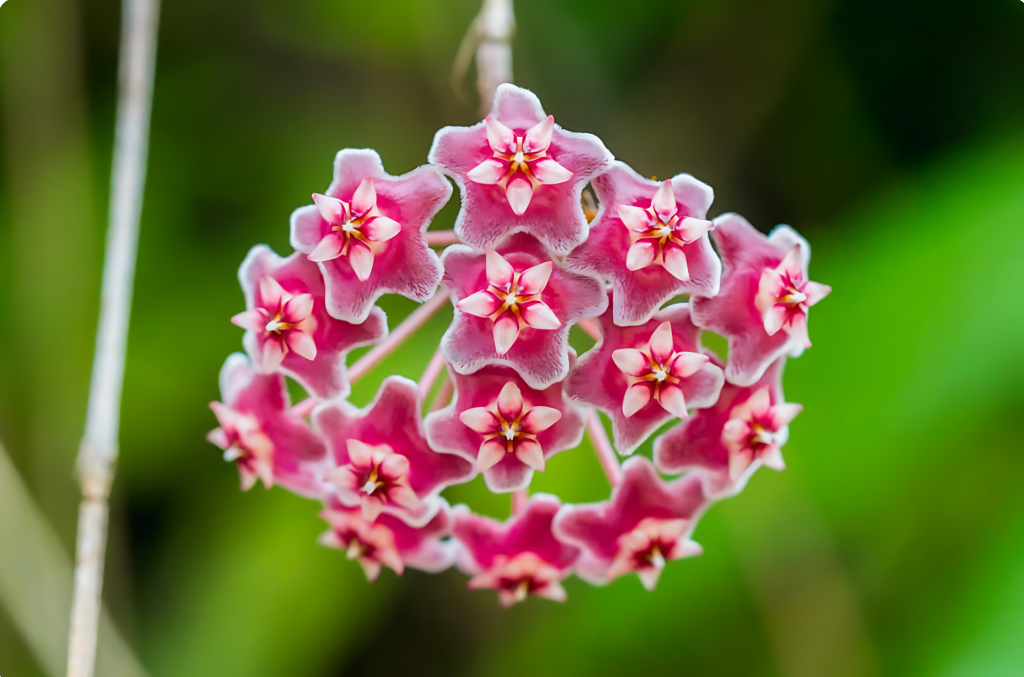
660, 375
275, 325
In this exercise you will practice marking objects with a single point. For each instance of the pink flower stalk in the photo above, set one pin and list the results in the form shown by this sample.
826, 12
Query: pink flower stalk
260, 434
384, 463
287, 325
644, 375
367, 233
388, 541
506, 428
746, 428
514, 307
518, 558
650, 239
764, 290
646, 524
518, 170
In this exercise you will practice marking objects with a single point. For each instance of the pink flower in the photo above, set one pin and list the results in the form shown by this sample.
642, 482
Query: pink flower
514, 307
650, 239
518, 170
764, 289
518, 558
646, 524
287, 325
388, 541
366, 233
727, 442
384, 463
644, 375
503, 426
262, 436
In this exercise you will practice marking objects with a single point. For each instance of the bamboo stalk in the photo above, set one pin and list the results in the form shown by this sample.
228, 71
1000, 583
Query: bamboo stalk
98, 451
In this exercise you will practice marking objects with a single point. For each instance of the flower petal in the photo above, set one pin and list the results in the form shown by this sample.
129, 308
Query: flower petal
273, 353
491, 454
771, 456
297, 309
535, 279
510, 401
635, 218
687, 364
506, 331
519, 193
251, 320
738, 463
404, 496
689, 228
394, 466
381, 229
783, 414
774, 318
480, 419
538, 138
631, 361
760, 402
637, 397
332, 210
500, 272
641, 254
675, 263
360, 454
361, 259
529, 452
549, 172
538, 315
670, 397
329, 248
792, 264
480, 304
500, 138
301, 343
539, 419
661, 343
664, 202
797, 329
272, 295
365, 198
815, 292
488, 172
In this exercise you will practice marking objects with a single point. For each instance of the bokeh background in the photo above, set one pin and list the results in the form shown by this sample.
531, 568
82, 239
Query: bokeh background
889, 132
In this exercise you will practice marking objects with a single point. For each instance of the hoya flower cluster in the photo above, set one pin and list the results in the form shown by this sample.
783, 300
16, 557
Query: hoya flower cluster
529, 264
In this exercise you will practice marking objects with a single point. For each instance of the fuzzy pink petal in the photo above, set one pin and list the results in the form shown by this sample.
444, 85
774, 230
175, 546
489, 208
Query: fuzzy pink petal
480, 419
273, 354
480, 304
519, 193
664, 202
784, 413
687, 364
360, 453
298, 308
361, 259
365, 198
771, 456
531, 454
535, 279
538, 138
500, 138
500, 272
689, 229
670, 397
774, 317
635, 218
250, 320
302, 343
661, 343
510, 401
792, 264
539, 419
506, 331
488, 172
641, 254
675, 263
405, 497
815, 292
332, 210
631, 361
549, 172
395, 465
271, 293
539, 316
492, 452
381, 229
797, 329
329, 248
637, 397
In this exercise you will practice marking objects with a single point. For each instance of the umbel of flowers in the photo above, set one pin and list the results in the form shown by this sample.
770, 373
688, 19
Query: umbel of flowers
524, 264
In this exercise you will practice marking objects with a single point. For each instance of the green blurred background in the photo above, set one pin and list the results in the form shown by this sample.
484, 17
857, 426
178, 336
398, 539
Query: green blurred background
889, 132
